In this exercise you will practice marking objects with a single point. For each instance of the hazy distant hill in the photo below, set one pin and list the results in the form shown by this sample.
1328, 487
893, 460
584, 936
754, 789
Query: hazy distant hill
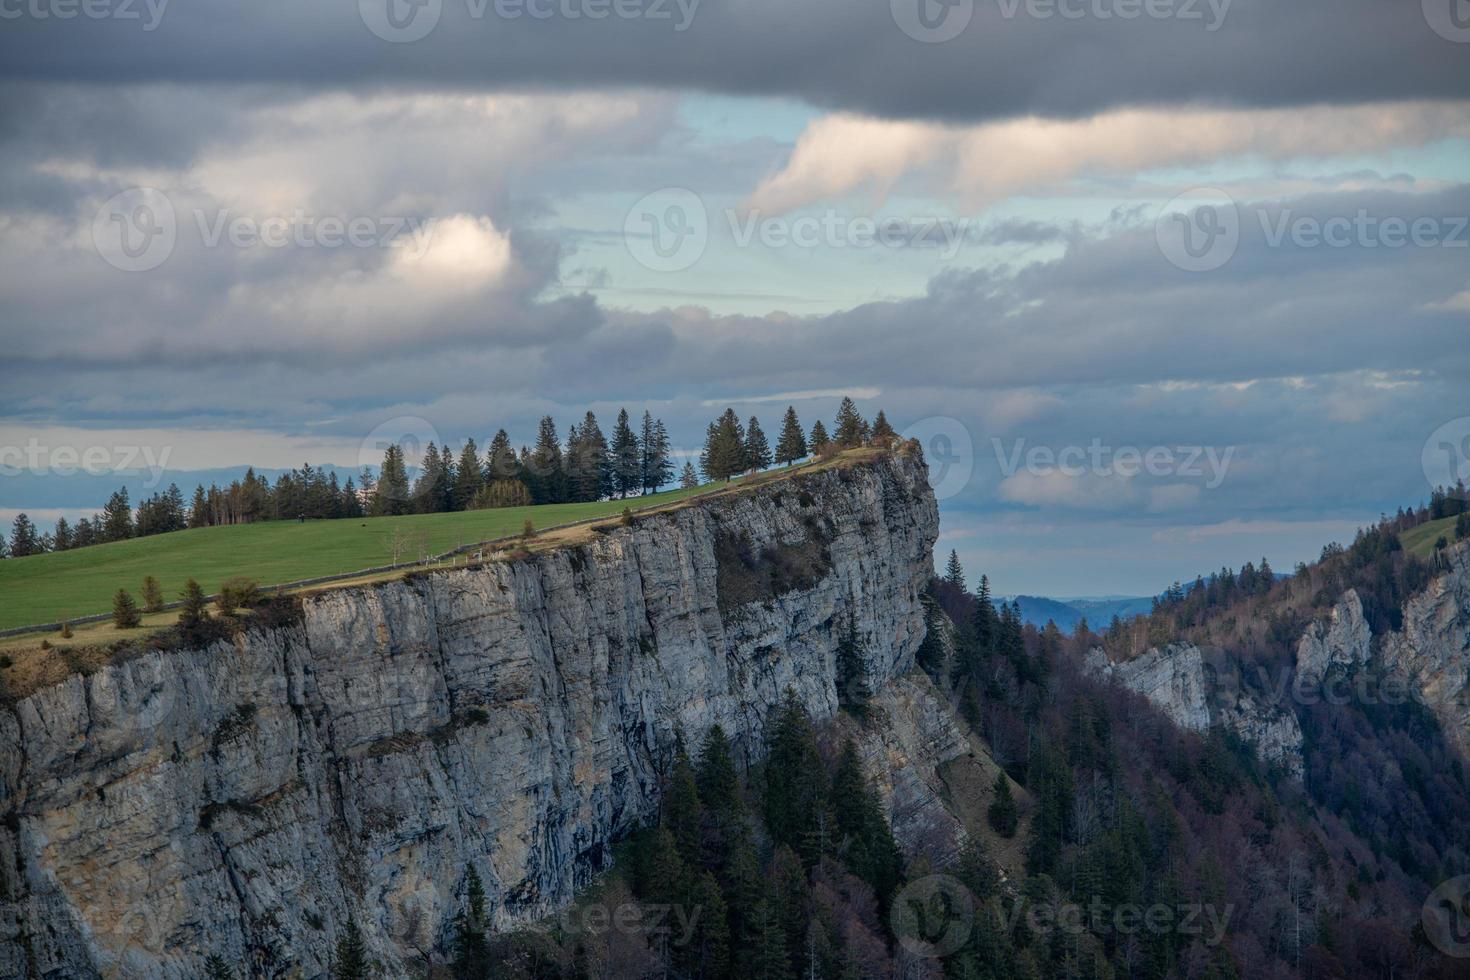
1066, 613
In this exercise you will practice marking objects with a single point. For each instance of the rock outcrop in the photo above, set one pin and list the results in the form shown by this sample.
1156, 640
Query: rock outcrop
246, 799
1172, 678
1342, 639
1195, 694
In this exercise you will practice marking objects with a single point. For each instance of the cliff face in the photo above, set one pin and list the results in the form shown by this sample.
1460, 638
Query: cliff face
247, 798
1430, 655
1433, 648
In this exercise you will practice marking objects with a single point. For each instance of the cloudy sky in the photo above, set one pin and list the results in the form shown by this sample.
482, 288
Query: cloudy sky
1162, 284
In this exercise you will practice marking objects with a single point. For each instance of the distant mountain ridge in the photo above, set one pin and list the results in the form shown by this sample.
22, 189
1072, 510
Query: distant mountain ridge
1068, 612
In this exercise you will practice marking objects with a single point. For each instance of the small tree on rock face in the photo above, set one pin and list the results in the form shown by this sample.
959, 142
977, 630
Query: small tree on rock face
216, 969
152, 595
791, 445
350, 959
471, 951
1002, 812
125, 611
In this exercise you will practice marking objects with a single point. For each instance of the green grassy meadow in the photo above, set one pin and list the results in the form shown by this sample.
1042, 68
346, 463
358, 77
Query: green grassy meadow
70, 584
1419, 541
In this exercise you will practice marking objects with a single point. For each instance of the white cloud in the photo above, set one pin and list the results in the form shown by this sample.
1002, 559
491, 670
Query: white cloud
841, 154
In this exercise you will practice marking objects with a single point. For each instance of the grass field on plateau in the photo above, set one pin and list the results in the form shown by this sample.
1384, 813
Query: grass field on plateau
70, 584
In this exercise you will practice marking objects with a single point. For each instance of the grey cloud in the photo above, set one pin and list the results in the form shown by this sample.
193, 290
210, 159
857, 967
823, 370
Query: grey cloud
829, 52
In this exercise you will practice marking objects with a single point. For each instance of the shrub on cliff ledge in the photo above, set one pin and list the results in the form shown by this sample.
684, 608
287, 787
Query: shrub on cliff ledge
238, 593
125, 611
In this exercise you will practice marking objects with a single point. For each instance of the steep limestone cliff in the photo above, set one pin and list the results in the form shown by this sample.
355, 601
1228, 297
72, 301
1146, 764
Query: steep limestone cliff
247, 798
1430, 655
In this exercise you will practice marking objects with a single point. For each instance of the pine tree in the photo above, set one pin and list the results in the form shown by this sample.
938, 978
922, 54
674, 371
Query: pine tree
851, 430
471, 951
665, 885
717, 781
986, 622
152, 595
217, 969
796, 791
500, 460
681, 808
117, 517
545, 474
708, 952
791, 445
724, 448
883, 433
61, 539
24, 540
757, 449
1002, 811
819, 440
655, 466
199, 509
954, 572
434, 492
688, 479
660, 465
627, 456
766, 955
589, 465
195, 612
869, 849
125, 611
391, 495
469, 475
350, 959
